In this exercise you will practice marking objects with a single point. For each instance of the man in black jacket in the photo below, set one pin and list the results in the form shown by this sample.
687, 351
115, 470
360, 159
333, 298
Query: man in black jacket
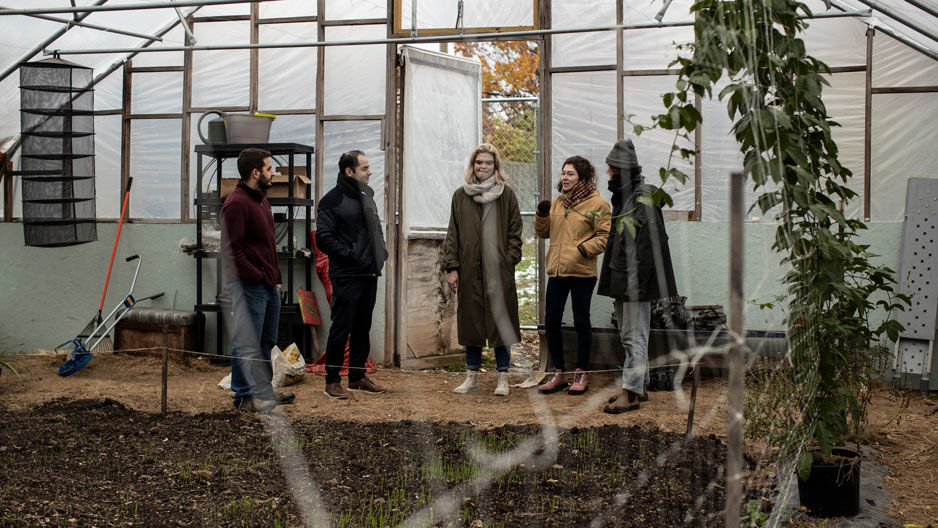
348, 230
636, 269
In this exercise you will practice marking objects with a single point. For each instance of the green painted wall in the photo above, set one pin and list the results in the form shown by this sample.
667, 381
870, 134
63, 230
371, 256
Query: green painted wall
49, 294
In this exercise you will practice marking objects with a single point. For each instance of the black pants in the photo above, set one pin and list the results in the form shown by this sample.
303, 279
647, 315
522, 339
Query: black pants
353, 301
580, 290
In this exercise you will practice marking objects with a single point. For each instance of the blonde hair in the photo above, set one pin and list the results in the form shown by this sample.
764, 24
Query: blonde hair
484, 148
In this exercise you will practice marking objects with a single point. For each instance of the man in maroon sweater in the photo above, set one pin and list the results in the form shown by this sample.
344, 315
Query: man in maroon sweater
253, 280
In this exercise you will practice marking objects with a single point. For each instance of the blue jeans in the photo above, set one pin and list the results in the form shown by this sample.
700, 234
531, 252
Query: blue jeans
580, 290
474, 358
634, 319
255, 315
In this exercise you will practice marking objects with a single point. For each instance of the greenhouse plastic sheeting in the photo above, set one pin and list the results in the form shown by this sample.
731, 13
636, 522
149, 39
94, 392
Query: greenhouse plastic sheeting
287, 77
343, 136
355, 75
352, 9
584, 120
442, 124
642, 97
221, 77
433, 14
580, 49
895, 64
844, 99
903, 148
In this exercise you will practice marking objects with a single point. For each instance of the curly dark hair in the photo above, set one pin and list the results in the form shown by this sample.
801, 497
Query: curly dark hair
583, 168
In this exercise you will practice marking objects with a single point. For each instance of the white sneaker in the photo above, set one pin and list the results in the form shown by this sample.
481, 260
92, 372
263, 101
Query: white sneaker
470, 385
502, 388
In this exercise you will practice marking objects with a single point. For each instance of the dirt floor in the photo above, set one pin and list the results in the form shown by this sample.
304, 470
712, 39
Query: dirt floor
92, 449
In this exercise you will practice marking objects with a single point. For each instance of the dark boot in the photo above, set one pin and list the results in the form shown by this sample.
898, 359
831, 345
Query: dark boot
625, 402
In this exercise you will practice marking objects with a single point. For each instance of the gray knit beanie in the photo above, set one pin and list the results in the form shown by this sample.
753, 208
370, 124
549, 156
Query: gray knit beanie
623, 155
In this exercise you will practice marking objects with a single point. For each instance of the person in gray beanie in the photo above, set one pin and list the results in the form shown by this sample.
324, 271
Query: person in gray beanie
636, 270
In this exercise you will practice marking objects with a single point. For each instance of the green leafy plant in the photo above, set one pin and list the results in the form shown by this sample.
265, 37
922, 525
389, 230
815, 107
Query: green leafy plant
10, 366
772, 90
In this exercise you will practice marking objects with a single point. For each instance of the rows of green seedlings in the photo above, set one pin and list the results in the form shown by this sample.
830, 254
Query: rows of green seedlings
414, 487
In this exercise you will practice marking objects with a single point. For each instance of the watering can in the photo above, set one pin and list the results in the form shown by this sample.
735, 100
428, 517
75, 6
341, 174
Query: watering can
217, 132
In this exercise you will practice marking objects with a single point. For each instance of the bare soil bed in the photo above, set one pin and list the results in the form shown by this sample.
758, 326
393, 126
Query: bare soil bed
93, 450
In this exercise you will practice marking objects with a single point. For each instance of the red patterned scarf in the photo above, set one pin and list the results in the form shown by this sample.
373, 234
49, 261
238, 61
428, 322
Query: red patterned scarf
580, 191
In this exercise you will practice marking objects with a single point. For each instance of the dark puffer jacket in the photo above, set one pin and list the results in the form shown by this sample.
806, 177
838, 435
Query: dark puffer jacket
636, 268
349, 231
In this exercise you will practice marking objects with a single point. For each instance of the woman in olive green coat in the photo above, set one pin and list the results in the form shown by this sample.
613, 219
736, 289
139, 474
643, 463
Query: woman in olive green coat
482, 248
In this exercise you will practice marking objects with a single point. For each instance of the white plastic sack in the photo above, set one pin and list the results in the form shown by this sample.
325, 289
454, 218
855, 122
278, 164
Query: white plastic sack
225, 382
289, 366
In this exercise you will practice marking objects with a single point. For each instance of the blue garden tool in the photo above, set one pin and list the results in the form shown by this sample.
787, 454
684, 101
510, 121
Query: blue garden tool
79, 353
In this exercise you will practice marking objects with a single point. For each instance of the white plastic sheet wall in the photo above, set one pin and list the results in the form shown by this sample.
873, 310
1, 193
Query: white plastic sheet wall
434, 14
442, 124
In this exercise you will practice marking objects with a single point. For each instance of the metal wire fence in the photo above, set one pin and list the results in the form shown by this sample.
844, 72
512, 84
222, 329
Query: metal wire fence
511, 125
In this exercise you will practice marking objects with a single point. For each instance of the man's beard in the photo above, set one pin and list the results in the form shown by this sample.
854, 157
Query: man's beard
265, 184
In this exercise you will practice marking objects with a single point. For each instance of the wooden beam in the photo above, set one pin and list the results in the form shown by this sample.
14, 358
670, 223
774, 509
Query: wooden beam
186, 145
389, 144
176, 115
583, 69
126, 132
156, 69
293, 111
544, 159
904, 89
320, 68
353, 117
223, 18
620, 81
288, 20
357, 22
255, 55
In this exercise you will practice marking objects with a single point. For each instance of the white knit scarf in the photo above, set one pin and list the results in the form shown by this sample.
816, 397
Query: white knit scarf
484, 191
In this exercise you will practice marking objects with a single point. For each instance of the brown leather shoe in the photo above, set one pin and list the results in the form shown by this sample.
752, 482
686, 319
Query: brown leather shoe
557, 381
335, 391
367, 386
625, 402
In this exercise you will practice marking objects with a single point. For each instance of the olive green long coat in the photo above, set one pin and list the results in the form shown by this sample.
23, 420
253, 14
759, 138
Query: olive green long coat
462, 250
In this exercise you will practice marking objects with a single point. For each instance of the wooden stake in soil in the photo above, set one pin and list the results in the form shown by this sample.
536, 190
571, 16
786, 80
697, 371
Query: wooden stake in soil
735, 387
165, 361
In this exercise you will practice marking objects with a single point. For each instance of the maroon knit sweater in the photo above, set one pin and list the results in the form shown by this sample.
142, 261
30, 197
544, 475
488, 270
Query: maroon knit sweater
247, 237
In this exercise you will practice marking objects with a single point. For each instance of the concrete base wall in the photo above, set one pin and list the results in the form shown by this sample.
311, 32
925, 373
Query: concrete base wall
49, 294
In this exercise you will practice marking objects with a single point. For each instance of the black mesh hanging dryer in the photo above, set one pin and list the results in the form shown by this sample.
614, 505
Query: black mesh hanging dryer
57, 153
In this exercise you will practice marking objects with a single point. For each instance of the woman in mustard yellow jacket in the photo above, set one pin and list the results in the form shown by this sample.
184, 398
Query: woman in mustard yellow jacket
577, 224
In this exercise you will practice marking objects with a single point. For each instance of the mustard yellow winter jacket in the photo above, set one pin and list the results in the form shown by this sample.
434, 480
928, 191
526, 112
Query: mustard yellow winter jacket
585, 226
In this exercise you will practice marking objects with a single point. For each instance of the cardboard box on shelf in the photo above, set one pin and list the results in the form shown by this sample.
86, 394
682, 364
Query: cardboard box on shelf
280, 189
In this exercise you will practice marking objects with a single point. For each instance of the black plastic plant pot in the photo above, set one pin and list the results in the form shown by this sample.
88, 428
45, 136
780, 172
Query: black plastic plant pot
833, 489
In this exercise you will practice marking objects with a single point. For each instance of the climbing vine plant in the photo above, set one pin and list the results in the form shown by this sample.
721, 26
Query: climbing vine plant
748, 53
